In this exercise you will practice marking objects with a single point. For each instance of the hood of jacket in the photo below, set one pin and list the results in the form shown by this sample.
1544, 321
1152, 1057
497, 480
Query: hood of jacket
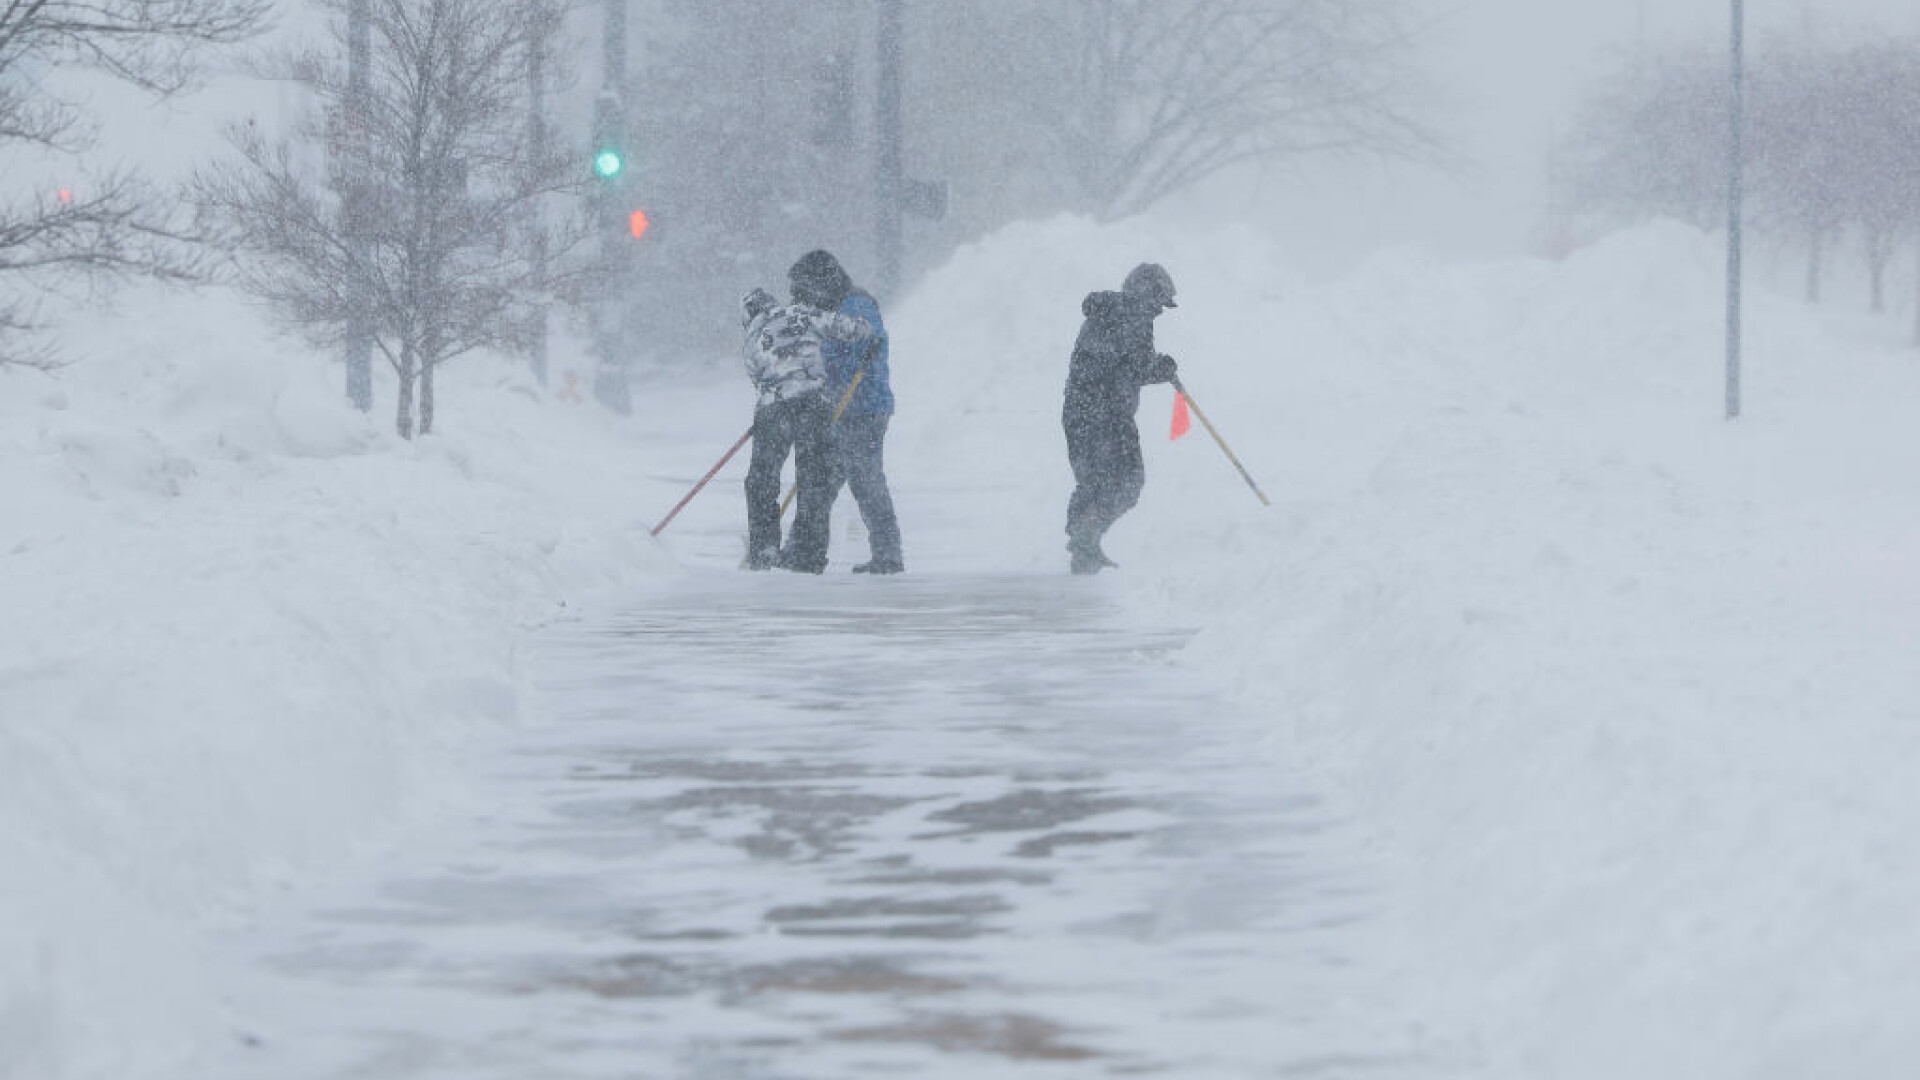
1107, 304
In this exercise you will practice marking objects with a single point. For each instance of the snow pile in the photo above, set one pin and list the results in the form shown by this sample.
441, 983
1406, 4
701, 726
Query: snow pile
983, 347
249, 632
1623, 687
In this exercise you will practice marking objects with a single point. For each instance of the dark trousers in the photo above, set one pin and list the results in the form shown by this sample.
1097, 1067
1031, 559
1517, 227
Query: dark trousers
859, 445
799, 425
1108, 474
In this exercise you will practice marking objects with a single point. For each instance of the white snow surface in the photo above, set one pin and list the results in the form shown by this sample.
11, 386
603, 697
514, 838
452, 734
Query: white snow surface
249, 631
1622, 691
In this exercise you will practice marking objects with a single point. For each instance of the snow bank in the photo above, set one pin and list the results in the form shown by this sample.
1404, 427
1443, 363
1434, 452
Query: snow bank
249, 633
1623, 688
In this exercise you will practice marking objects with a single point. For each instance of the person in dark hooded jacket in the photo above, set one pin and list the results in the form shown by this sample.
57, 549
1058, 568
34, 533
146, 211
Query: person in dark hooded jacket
859, 436
1112, 359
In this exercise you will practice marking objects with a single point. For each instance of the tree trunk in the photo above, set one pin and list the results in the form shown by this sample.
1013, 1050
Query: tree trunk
403, 422
1103, 120
1877, 271
426, 398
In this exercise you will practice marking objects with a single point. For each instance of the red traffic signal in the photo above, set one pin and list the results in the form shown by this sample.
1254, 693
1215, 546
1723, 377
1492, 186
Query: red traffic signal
637, 223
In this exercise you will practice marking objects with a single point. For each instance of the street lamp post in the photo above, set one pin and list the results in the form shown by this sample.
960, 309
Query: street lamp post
896, 193
889, 168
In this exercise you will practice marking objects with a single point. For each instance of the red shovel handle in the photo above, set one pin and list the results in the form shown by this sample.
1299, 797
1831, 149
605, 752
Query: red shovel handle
718, 465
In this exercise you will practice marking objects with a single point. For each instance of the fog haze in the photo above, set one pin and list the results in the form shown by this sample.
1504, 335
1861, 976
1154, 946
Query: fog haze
1508, 74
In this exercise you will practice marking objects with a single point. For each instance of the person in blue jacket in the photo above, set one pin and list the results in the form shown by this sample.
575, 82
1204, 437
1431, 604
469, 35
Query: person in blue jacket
859, 438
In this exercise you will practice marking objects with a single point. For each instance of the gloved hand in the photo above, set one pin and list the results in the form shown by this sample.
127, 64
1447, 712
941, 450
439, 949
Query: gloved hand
1164, 369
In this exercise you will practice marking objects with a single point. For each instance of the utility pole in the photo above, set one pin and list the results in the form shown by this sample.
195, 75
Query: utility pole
614, 72
889, 168
895, 195
359, 342
1736, 167
610, 378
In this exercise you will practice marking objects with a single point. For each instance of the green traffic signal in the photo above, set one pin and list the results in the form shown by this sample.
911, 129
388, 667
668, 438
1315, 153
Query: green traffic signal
607, 164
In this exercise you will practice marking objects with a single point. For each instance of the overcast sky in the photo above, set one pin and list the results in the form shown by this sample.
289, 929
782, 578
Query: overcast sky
1516, 68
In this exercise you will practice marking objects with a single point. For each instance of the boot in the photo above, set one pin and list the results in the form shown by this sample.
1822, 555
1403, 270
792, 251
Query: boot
790, 559
877, 565
1088, 558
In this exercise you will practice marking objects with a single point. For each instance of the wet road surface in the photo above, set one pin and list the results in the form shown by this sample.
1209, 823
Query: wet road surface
795, 827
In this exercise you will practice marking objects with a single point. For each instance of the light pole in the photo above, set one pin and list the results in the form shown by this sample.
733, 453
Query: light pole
889, 168
896, 194
1736, 153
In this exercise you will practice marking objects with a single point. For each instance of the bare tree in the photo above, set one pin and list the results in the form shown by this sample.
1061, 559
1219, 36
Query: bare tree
1798, 151
1875, 115
756, 125
116, 224
1650, 139
1143, 98
427, 219
1834, 147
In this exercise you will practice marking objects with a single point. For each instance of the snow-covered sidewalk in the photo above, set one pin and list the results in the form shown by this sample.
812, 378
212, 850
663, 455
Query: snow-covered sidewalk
942, 825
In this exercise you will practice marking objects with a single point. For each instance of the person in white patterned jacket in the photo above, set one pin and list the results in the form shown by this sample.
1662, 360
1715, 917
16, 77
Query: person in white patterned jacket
782, 352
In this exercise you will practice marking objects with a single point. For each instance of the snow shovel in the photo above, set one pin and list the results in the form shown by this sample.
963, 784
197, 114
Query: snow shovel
718, 465
1208, 424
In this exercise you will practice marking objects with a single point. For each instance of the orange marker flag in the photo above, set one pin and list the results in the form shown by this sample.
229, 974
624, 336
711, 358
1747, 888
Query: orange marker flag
1182, 423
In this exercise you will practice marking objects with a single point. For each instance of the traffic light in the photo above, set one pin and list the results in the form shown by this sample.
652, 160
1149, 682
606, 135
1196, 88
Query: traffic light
609, 160
613, 198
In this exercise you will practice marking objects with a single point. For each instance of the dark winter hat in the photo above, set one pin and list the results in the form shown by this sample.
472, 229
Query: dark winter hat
756, 303
1151, 281
818, 279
